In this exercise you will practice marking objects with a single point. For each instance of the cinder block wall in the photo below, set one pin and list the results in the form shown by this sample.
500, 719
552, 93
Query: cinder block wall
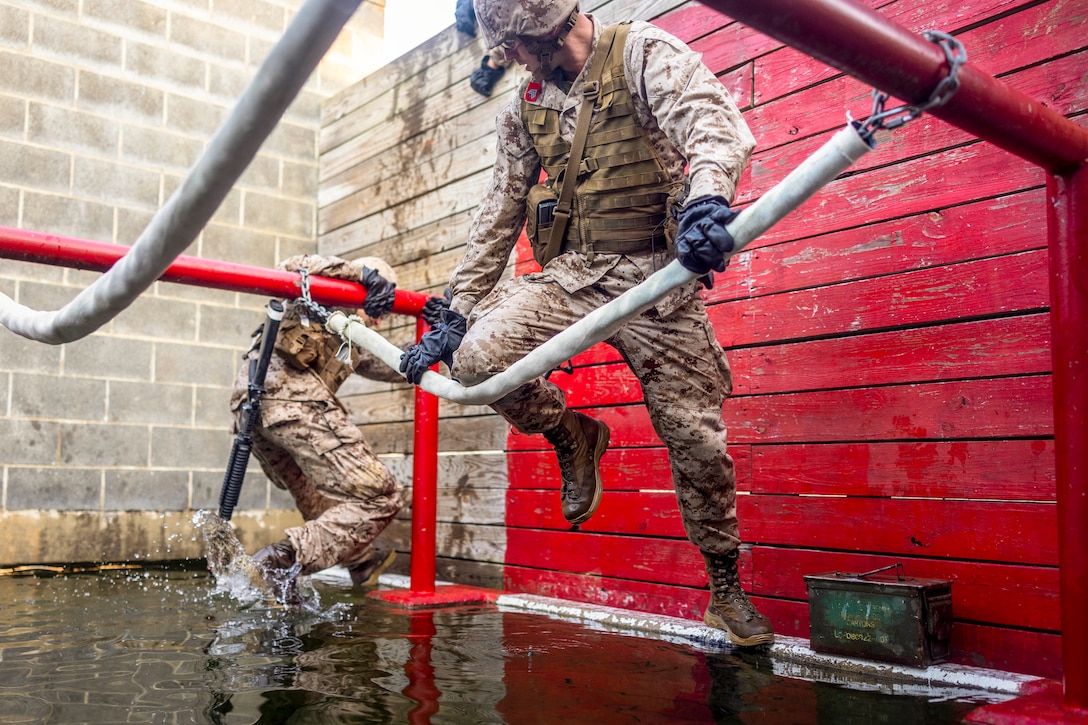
111, 443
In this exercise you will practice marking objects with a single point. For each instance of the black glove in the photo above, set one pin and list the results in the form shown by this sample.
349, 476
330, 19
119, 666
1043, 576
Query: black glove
464, 16
484, 78
702, 239
435, 306
380, 293
435, 345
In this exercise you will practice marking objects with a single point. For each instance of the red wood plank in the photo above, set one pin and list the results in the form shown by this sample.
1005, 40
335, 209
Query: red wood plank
1022, 533
692, 21
998, 408
988, 228
787, 70
665, 561
1001, 594
621, 512
639, 596
1009, 650
926, 296
622, 469
945, 179
1009, 470
984, 348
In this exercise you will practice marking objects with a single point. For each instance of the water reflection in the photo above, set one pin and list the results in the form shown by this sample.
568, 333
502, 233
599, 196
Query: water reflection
163, 646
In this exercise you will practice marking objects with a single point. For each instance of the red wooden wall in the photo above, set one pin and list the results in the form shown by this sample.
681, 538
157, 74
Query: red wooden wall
890, 347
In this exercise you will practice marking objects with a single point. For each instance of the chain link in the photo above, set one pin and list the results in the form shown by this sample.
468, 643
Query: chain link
955, 54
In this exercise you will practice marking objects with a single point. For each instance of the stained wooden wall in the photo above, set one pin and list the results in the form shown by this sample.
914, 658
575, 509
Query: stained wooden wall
889, 341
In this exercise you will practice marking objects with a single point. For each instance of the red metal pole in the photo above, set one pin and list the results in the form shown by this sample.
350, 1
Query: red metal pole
99, 256
1067, 222
861, 42
424, 487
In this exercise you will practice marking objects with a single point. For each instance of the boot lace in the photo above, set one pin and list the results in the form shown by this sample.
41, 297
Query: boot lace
563, 441
732, 592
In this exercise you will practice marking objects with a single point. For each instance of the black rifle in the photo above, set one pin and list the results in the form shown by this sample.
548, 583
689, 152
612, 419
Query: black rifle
250, 414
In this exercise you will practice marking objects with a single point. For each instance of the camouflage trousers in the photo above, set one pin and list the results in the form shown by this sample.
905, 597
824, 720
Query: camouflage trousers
682, 369
345, 494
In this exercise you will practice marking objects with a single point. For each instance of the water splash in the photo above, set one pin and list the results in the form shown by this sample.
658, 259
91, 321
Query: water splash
236, 574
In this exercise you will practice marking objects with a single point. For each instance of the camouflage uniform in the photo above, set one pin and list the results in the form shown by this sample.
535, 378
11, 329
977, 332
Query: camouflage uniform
690, 120
307, 444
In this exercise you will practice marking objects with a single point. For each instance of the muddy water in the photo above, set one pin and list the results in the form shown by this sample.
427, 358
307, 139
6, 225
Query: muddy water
176, 646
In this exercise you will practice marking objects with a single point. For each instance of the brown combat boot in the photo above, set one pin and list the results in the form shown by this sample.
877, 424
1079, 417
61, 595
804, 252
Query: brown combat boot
729, 608
579, 443
366, 574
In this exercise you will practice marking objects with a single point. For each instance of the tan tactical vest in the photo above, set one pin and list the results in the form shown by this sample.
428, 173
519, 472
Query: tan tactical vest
622, 189
313, 348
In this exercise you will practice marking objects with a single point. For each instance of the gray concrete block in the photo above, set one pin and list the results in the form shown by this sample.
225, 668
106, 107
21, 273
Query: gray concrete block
12, 118
195, 293
72, 130
153, 403
107, 445
230, 210
63, 489
165, 68
34, 272
227, 326
32, 442
227, 83
14, 27
34, 167
300, 179
263, 174
189, 448
156, 317
153, 147
292, 218
46, 296
49, 396
207, 487
244, 246
37, 78
78, 43
105, 356
9, 205
118, 183
68, 217
127, 18
295, 142
256, 15
279, 498
213, 408
208, 39
206, 366
291, 247
194, 116
120, 98
131, 223
20, 353
146, 491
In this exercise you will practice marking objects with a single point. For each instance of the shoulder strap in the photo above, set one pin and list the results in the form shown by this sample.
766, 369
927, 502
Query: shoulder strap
590, 90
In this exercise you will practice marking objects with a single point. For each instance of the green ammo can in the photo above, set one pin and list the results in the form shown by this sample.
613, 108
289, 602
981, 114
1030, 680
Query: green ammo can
886, 617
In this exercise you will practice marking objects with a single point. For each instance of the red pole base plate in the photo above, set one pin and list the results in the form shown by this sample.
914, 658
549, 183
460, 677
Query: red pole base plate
443, 596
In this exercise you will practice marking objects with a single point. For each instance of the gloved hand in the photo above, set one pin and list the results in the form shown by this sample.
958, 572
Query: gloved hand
380, 293
435, 306
702, 239
484, 78
435, 345
464, 16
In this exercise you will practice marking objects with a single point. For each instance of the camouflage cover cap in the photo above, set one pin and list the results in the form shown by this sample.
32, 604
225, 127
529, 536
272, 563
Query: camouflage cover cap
503, 20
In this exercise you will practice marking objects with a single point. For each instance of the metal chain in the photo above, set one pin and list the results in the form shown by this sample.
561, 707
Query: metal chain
306, 301
879, 119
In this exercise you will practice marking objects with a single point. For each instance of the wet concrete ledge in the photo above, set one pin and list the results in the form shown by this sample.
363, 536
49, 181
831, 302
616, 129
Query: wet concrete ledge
791, 656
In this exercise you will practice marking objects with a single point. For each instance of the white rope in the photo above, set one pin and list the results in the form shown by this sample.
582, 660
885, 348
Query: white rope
830, 160
181, 219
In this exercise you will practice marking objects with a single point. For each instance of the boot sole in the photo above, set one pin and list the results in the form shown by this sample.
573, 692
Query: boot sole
754, 641
598, 453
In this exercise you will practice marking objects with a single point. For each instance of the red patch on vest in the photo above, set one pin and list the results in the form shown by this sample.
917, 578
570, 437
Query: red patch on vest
532, 91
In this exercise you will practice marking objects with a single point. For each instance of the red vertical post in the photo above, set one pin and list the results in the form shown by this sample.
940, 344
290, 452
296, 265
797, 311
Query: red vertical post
1067, 224
424, 486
